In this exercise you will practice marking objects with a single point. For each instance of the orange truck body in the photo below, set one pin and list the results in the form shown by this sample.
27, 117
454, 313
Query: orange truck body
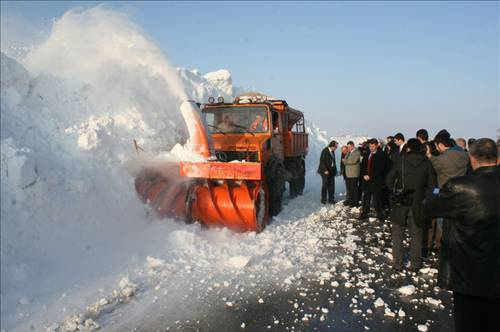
249, 161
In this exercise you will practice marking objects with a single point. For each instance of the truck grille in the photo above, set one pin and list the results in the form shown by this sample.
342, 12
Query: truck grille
227, 156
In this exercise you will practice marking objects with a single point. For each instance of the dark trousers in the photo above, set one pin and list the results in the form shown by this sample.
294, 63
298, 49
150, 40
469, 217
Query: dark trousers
475, 313
372, 188
328, 188
405, 216
351, 185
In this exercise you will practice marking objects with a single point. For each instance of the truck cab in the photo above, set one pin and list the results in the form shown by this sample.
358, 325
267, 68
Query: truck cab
267, 131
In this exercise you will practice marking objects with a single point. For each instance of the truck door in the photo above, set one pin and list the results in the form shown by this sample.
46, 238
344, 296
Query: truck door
277, 135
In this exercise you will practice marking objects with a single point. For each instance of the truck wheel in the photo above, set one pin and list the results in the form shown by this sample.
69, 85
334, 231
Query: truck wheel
276, 187
261, 208
293, 182
301, 179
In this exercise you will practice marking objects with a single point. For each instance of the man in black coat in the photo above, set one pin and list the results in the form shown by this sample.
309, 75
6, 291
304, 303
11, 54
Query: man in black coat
412, 178
328, 170
374, 167
470, 250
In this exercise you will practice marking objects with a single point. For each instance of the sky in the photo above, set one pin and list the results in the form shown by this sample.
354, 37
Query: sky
359, 68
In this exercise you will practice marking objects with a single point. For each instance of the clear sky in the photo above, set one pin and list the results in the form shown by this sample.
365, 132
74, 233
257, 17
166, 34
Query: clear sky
353, 67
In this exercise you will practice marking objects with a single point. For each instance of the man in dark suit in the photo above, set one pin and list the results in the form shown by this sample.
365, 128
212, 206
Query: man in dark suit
328, 169
374, 168
413, 177
469, 263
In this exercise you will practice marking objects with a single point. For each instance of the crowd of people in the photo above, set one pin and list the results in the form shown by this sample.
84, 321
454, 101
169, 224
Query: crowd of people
446, 192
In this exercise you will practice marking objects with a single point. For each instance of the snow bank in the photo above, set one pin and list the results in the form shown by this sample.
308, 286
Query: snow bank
69, 212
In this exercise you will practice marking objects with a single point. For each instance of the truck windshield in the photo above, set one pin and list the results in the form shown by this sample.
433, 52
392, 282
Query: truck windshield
237, 119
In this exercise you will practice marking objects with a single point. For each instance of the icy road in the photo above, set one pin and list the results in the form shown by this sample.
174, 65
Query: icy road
314, 268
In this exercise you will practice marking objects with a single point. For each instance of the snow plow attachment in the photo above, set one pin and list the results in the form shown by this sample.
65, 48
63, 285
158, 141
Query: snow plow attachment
239, 204
211, 192
167, 195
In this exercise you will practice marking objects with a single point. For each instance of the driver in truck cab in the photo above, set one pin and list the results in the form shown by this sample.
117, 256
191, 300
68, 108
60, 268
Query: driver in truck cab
259, 124
227, 123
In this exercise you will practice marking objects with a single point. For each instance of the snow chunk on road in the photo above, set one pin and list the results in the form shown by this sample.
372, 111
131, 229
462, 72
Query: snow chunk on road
379, 303
433, 301
428, 270
422, 328
389, 313
406, 290
237, 262
154, 262
126, 288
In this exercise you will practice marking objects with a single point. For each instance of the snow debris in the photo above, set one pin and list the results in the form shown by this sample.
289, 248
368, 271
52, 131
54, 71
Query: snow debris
422, 327
125, 289
238, 262
407, 290
428, 270
389, 313
379, 303
432, 301
77, 323
154, 263
242, 325
401, 313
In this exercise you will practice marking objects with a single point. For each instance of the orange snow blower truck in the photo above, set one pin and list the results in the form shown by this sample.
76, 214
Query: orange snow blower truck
252, 147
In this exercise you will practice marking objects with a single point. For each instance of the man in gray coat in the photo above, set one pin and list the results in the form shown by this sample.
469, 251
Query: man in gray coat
451, 162
352, 171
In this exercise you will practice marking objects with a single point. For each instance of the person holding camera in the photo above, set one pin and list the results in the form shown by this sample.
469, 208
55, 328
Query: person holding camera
411, 179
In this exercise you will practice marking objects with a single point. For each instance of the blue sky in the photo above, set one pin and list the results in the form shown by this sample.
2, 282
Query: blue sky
353, 67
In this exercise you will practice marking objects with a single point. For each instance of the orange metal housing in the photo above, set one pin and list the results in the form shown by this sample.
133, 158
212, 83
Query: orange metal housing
222, 171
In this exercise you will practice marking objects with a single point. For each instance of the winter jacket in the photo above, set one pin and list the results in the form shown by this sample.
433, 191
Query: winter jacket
379, 166
352, 164
412, 174
327, 163
451, 163
470, 250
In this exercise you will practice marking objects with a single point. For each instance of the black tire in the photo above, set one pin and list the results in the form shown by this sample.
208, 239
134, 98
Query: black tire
301, 179
293, 182
261, 203
276, 187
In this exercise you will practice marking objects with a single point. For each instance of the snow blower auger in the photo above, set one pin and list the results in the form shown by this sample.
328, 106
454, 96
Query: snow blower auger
251, 148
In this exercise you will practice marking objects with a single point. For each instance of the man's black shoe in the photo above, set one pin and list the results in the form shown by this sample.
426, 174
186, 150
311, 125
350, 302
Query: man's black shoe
347, 203
362, 217
323, 202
